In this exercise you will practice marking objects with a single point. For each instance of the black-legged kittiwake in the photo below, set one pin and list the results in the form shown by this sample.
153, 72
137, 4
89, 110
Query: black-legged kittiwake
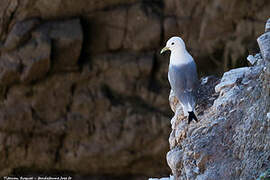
182, 76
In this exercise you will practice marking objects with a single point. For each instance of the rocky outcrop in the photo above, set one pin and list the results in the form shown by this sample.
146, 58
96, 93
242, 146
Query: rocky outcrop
231, 139
83, 88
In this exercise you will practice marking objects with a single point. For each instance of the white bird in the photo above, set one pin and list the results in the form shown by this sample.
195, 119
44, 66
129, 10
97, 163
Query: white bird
182, 76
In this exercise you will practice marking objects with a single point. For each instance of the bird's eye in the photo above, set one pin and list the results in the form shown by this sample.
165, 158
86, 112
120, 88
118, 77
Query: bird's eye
172, 43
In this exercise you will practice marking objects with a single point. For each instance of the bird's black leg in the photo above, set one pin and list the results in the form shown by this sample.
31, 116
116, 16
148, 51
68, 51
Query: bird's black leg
191, 116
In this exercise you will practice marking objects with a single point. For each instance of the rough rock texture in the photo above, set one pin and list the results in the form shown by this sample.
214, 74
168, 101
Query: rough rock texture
92, 120
218, 33
232, 138
83, 89
28, 58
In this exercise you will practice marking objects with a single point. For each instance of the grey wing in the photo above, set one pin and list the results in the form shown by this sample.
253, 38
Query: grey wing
183, 80
177, 79
183, 77
191, 77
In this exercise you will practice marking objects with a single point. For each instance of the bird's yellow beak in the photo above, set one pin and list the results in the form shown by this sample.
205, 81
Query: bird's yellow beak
164, 49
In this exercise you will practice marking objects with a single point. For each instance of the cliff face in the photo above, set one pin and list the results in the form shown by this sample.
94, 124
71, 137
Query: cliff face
83, 89
90, 118
218, 33
231, 140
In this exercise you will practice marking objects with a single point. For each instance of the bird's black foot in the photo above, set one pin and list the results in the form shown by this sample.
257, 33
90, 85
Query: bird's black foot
191, 116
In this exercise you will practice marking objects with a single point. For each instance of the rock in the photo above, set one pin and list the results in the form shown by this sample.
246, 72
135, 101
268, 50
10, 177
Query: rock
9, 70
7, 9
19, 33
57, 43
52, 9
78, 116
167, 178
108, 30
257, 59
142, 22
231, 78
215, 37
267, 25
174, 160
101, 108
205, 26
122, 70
67, 40
53, 97
35, 57
264, 176
251, 59
268, 115
264, 41
18, 119
170, 28
230, 127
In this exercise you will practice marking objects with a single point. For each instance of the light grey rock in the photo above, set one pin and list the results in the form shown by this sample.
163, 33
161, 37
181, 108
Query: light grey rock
231, 139
267, 25
264, 42
268, 115
164, 178
251, 59
231, 77
174, 158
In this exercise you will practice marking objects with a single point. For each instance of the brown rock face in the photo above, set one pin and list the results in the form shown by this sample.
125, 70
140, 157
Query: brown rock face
28, 52
218, 33
20, 32
83, 89
142, 23
91, 120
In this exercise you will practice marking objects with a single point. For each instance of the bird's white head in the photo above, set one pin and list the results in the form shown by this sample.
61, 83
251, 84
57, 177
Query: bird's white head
174, 44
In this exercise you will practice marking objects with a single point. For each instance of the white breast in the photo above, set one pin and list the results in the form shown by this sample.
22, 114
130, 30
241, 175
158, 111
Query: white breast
178, 58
